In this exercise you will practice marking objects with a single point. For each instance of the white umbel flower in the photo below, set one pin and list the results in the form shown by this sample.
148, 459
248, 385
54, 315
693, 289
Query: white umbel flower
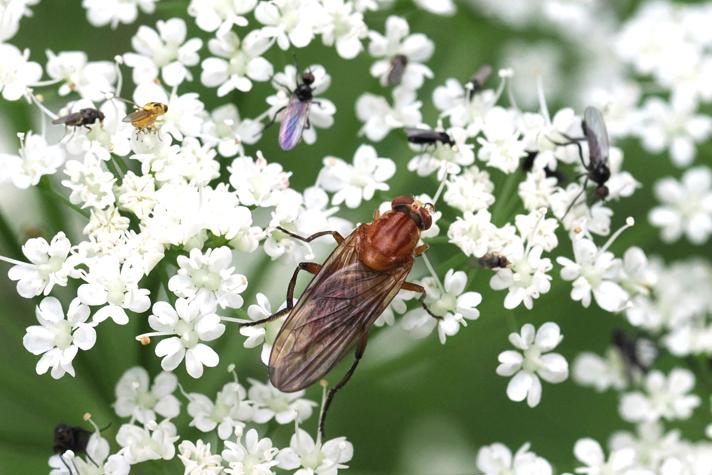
270, 403
34, 160
58, 338
152, 442
164, 49
190, 327
16, 72
353, 183
397, 40
250, 455
50, 264
686, 206
665, 397
114, 287
136, 399
533, 362
497, 459
236, 63
198, 459
113, 12
209, 278
90, 79
228, 414
315, 458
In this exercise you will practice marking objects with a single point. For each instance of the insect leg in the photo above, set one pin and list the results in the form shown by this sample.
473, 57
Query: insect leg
583, 190
345, 379
274, 316
421, 250
311, 267
273, 119
419, 288
66, 465
338, 237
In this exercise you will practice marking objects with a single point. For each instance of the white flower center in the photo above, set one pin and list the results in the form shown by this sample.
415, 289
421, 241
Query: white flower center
51, 266
145, 400
206, 279
63, 334
115, 292
186, 332
532, 361
313, 459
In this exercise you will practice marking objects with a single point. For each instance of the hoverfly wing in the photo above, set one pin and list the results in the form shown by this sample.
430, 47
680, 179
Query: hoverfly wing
294, 119
75, 118
137, 115
336, 309
596, 135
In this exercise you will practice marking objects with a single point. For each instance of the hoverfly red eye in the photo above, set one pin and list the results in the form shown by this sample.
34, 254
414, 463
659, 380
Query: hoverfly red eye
401, 201
425, 219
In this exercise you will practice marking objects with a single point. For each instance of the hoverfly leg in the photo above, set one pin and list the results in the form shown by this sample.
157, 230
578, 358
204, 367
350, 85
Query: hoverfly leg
335, 234
272, 317
311, 267
345, 379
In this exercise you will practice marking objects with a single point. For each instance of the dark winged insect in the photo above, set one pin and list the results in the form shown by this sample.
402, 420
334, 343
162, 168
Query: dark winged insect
596, 136
349, 291
494, 260
477, 81
82, 118
71, 438
295, 115
145, 117
528, 165
638, 352
398, 65
427, 137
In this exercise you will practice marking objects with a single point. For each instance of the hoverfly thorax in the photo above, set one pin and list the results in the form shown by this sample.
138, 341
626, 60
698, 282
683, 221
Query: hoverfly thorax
392, 238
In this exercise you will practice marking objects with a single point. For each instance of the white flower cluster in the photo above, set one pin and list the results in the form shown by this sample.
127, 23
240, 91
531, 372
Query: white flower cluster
180, 215
232, 416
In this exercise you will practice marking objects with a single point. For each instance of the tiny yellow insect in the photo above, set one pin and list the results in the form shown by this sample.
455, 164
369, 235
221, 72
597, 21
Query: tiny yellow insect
145, 118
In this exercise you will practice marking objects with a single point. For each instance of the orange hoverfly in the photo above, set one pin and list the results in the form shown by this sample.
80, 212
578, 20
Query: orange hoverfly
348, 293
145, 117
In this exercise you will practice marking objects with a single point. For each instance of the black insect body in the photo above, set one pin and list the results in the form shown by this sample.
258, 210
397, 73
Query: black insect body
398, 64
295, 115
427, 137
597, 169
493, 260
477, 81
528, 165
82, 118
638, 352
71, 438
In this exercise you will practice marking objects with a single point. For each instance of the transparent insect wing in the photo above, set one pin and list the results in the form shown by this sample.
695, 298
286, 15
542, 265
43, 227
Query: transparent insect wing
294, 120
335, 311
69, 119
596, 135
137, 115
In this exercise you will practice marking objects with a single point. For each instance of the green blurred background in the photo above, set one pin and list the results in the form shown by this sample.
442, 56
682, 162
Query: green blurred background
414, 407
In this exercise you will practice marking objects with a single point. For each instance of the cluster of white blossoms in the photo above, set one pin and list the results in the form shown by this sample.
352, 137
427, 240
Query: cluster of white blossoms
234, 416
171, 216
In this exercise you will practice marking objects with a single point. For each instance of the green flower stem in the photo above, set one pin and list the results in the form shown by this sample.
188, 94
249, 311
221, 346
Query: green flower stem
50, 195
9, 239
